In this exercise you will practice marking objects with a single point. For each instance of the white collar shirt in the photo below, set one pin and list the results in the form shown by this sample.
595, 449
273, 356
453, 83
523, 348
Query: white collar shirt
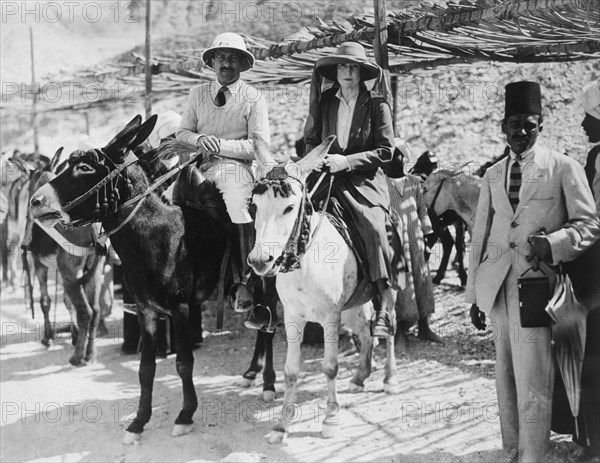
344, 119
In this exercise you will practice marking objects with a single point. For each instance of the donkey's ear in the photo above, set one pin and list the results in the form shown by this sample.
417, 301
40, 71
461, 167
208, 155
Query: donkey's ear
144, 131
56, 158
119, 145
309, 162
262, 151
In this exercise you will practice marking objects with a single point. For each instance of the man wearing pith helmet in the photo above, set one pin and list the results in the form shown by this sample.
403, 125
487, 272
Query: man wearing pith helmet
539, 214
219, 119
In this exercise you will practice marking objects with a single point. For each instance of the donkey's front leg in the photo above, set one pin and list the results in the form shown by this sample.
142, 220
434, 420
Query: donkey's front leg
147, 321
256, 364
269, 393
294, 331
331, 423
185, 370
358, 320
271, 300
84, 316
390, 382
94, 299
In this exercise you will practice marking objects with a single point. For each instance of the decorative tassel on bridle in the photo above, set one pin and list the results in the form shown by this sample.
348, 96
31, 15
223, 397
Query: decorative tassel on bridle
105, 203
97, 217
115, 196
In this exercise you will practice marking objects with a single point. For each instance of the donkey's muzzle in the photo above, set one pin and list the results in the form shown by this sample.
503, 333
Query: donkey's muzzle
260, 262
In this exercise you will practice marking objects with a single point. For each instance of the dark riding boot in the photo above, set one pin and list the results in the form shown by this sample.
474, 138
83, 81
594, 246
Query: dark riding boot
243, 298
426, 333
384, 320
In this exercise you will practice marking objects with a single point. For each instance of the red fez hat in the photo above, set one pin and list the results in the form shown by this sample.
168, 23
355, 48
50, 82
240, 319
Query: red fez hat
523, 98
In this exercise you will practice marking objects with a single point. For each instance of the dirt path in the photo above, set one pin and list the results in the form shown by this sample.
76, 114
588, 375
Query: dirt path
445, 412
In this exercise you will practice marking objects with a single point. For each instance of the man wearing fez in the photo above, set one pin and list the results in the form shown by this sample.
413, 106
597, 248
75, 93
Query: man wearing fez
535, 210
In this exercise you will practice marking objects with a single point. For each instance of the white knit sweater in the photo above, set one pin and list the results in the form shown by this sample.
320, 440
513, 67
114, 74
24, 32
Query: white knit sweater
244, 113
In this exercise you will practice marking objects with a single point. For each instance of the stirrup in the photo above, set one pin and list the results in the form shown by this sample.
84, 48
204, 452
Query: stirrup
232, 296
259, 321
390, 326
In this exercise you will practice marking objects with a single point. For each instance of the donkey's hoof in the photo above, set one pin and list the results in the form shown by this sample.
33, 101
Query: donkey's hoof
47, 342
181, 430
355, 388
77, 362
391, 388
269, 396
330, 430
276, 437
131, 438
246, 382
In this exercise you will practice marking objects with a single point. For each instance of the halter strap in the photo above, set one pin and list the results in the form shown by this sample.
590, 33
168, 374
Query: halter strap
289, 259
158, 182
132, 159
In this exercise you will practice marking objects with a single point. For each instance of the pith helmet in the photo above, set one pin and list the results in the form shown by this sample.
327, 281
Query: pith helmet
227, 41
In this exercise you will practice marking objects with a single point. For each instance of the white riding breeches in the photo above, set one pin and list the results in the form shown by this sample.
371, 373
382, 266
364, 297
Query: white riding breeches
235, 181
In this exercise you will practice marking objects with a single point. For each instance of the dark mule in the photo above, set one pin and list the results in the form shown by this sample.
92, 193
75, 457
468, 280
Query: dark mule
87, 281
171, 256
424, 166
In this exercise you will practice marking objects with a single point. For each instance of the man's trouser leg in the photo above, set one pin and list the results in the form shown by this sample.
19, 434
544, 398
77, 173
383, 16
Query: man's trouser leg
530, 361
506, 387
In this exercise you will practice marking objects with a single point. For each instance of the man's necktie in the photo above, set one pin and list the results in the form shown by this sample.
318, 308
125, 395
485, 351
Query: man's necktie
220, 99
514, 185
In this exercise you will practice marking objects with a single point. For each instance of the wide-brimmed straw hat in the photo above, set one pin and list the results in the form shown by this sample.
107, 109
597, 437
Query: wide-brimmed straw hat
348, 52
228, 41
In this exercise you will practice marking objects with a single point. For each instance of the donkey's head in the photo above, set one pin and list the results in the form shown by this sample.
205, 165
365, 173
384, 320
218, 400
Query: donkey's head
279, 196
94, 181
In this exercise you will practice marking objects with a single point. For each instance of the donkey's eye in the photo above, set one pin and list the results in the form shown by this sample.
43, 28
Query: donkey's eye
289, 209
84, 168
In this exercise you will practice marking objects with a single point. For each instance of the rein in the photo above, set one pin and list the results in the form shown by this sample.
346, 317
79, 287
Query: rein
437, 193
300, 238
118, 208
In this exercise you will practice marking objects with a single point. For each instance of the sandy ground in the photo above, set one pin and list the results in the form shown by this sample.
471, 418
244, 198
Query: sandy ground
446, 409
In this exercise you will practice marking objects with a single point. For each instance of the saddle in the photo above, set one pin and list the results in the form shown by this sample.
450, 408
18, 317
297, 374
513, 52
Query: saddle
192, 189
363, 291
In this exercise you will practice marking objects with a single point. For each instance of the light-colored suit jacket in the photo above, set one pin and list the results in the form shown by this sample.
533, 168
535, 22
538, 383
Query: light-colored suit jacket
555, 197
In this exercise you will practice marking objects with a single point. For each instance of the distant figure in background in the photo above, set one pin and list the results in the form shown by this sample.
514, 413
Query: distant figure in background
425, 165
591, 127
415, 302
588, 421
165, 129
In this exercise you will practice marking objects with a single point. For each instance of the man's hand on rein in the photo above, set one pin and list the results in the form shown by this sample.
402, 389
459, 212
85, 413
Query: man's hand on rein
208, 145
336, 163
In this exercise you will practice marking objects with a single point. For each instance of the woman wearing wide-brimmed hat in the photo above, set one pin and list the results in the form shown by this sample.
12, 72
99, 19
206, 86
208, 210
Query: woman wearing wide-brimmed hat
361, 119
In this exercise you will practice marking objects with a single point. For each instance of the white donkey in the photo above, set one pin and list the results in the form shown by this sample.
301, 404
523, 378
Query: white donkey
316, 290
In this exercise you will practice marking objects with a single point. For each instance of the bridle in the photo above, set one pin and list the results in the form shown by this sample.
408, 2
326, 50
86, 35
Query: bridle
109, 210
300, 238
